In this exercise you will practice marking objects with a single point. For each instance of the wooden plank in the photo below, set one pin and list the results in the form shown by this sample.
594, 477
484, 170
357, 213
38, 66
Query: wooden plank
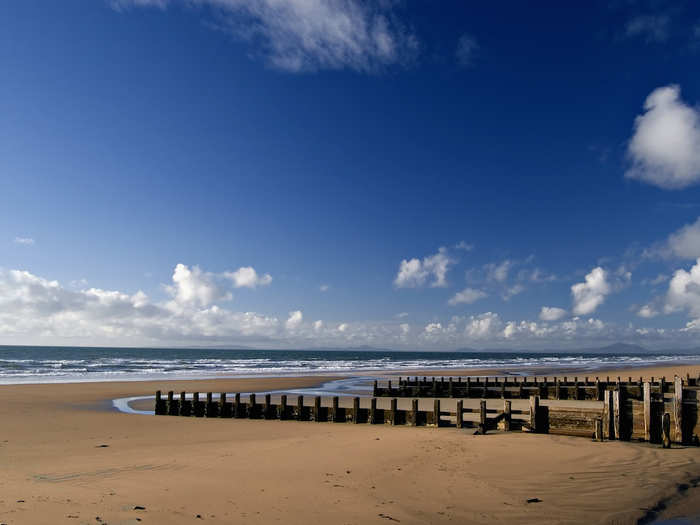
436, 412
617, 410
666, 430
534, 406
647, 411
678, 408
506, 416
608, 411
460, 414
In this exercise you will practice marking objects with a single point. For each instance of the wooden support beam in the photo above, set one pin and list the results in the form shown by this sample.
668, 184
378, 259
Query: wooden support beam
283, 407
355, 410
482, 417
469, 386
252, 407
534, 407
598, 429
678, 408
237, 405
646, 397
506, 415
666, 430
268, 407
373, 411
393, 410
450, 391
459, 421
317, 409
300, 408
436, 412
414, 412
557, 389
617, 413
183, 408
374, 388
598, 389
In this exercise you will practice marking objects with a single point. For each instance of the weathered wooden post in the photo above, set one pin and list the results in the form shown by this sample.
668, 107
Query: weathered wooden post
160, 408
434, 392
184, 408
450, 391
196, 405
506, 416
335, 416
666, 430
436, 412
577, 388
393, 412
617, 408
482, 417
486, 388
300, 408
317, 409
640, 385
534, 408
598, 429
237, 411
283, 407
520, 388
662, 385
268, 407
678, 408
172, 408
414, 412
598, 390
503, 390
356, 410
459, 414
646, 393
252, 407
374, 388
373, 411
469, 386
389, 387
222, 404
557, 389
210, 407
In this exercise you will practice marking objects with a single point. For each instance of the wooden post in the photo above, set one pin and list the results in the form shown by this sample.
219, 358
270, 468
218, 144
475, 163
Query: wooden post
520, 389
183, 410
459, 415
237, 405
356, 410
469, 386
503, 390
534, 407
577, 391
436, 412
209, 406
646, 392
317, 409
300, 408
557, 389
486, 387
598, 429
336, 415
599, 392
414, 412
617, 412
252, 409
666, 430
482, 417
170, 405
662, 385
268, 407
640, 384
450, 391
283, 407
393, 411
373, 411
678, 408
433, 387
608, 413
222, 402
374, 388
506, 416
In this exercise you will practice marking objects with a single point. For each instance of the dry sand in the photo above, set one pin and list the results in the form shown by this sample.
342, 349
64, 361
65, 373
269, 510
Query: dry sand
55, 469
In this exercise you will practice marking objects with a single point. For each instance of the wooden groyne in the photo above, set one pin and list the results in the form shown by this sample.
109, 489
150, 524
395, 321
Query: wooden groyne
666, 413
514, 387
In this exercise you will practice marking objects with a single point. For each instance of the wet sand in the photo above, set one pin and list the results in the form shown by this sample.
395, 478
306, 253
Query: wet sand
57, 469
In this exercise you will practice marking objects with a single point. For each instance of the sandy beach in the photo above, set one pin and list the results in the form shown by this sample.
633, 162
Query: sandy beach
66, 458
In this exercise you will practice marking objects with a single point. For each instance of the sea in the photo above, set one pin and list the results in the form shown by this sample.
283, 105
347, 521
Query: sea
24, 364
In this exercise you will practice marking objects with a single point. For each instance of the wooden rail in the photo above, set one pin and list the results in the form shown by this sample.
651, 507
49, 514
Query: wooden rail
663, 415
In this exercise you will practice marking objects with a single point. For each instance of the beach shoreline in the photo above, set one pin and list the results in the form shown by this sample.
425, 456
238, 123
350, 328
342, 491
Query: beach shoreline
67, 459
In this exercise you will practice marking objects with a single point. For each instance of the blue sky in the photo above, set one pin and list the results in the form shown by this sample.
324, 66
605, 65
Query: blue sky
343, 173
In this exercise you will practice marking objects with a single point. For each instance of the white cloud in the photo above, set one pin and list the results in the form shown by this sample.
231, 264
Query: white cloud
247, 277
307, 35
498, 272
342, 327
589, 295
432, 328
461, 245
405, 328
665, 147
653, 28
685, 242
318, 326
467, 296
512, 291
193, 287
552, 313
324, 288
294, 320
647, 312
24, 241
483, 325
684, 291
401, 315
467, 49
414, 272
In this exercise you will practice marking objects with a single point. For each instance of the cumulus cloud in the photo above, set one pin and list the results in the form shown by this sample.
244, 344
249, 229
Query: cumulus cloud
415, 272
685, 243
647, 312
483, 325
193, 287
665, 147
308, 35
684, 291
294, 320
552, 313
590, 294
467, 296
498, 272
467, 49
653, 28
247, 277
24, 241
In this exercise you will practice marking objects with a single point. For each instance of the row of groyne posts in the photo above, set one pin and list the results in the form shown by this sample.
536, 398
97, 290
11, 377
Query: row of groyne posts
655, 411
